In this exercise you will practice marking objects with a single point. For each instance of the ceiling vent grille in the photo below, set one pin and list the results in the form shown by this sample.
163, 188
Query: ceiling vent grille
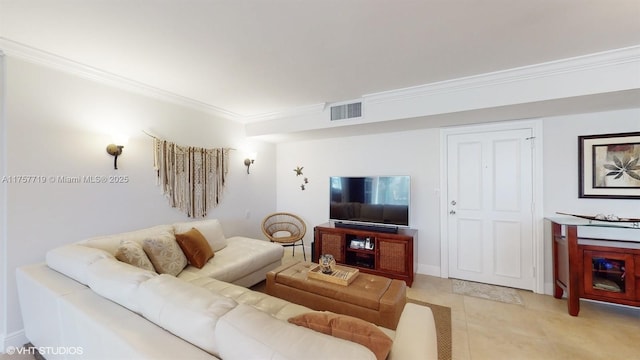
346, 111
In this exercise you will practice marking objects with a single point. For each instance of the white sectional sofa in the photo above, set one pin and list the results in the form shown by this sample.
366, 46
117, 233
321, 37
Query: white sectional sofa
84, 303
239, 260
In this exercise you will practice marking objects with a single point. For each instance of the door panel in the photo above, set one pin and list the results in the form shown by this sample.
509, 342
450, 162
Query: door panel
505, 176
333, 244
469, 245
508, 259
395, 255
470, 176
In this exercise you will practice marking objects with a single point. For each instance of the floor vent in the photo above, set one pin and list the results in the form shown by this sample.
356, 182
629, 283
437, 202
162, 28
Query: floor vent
346, 111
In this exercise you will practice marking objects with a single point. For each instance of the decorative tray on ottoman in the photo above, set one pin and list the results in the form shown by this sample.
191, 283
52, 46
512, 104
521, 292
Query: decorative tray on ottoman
341, 275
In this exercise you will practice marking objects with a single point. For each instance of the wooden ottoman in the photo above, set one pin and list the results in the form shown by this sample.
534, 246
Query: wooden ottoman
369, 297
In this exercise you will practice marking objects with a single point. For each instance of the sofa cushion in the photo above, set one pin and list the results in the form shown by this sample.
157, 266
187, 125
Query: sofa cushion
165, 254
278, 308
241, 257
132, 253
184, 309
248, 333
195, 247
211, 229
117, 281
110, 243
73, 260
347, 328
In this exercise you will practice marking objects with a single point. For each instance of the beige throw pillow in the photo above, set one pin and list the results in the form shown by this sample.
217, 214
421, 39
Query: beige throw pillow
131, 252
165, 254
347, 328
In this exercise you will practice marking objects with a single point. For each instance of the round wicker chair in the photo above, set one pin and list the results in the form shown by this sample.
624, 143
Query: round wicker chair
286, 229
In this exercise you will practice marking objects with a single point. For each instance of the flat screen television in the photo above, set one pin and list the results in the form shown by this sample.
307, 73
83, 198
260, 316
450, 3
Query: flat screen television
370, 200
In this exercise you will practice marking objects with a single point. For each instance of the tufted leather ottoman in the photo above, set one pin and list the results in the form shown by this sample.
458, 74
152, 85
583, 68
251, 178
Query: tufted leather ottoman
369, 297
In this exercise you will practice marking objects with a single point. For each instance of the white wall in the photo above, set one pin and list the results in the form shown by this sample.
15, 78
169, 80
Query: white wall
561, 161
58, 124
413, 153
417, 153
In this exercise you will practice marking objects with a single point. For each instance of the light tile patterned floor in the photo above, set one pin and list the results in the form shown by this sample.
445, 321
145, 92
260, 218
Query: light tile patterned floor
541, 328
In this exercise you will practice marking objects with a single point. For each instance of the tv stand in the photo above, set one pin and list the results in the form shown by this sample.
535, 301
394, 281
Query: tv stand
391, 255
367, 227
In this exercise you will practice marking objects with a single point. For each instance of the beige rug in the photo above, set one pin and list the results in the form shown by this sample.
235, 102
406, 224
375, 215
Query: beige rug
486, 291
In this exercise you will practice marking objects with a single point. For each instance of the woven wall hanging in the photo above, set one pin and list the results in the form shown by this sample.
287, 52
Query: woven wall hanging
192, 178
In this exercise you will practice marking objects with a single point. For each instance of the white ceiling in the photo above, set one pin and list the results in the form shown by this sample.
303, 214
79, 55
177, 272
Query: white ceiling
253, 57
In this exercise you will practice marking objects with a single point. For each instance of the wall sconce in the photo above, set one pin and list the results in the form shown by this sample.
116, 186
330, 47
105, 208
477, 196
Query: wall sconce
115, 151
249, 160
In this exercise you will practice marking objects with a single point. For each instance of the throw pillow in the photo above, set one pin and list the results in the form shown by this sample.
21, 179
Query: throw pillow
195, 247
165, 254
210, 229
347, 328
131, 252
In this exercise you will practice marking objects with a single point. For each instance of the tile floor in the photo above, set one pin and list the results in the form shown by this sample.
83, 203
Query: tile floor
541, 328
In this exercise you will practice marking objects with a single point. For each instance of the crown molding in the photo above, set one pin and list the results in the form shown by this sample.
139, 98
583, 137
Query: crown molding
292, 112
519, 74
47, 59
488, 80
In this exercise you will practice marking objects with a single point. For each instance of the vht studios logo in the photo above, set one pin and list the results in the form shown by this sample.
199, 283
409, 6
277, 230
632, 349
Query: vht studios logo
45, 350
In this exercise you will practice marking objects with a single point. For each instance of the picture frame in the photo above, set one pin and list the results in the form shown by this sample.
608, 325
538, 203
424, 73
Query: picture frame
609, 166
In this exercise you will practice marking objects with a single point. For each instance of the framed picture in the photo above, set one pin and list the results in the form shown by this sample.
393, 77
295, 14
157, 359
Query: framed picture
609, 166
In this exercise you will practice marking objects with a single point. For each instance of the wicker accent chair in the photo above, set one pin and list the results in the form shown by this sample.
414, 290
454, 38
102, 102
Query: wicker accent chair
286, 229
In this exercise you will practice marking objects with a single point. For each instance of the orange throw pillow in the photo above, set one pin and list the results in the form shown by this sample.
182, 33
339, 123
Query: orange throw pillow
347, 328
195, 247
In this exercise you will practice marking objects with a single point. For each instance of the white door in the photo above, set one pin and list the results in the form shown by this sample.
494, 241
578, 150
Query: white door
490, 207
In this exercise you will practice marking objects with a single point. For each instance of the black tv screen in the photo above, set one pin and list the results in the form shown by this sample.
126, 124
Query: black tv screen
370, 199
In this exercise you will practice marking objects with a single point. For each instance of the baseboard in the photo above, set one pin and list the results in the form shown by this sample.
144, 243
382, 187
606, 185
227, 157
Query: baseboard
16, 339
431, 270
548, 288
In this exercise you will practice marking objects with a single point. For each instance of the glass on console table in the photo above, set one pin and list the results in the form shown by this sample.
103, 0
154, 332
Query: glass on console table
576, 221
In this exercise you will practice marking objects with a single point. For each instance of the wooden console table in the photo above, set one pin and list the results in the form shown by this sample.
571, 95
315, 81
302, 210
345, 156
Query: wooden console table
390, 255
594, 268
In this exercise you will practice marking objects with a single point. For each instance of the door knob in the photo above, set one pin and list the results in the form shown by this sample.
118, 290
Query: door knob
452, 212
453, 202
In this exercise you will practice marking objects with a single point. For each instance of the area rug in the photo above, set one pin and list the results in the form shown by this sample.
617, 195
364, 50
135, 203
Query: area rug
442, 317
486, 291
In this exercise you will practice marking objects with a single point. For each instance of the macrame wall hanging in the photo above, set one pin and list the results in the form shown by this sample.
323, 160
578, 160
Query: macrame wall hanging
192, 178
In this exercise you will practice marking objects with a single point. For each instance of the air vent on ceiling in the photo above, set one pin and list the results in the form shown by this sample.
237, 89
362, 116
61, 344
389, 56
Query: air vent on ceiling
346, 111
